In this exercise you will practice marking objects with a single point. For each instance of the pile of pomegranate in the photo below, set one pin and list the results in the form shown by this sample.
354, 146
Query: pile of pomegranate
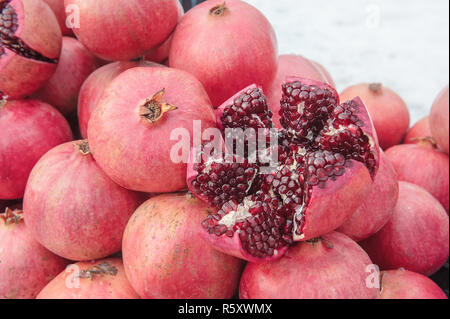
146, 152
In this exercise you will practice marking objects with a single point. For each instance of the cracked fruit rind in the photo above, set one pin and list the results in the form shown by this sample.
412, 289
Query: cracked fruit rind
30, 45
327, 156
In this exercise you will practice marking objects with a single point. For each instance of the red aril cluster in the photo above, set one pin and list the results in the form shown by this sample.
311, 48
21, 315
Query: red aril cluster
328, 155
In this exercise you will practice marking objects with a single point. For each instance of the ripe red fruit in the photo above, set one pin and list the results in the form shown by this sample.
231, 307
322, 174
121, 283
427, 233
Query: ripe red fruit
330, 267
26, 266
322, 175
29, 129
140, 26
30, 44
377, 208
389, 112
415, 238
227, 46
60, 12
423, 166
102, 279
420, 133
92, 89
72, 207
75, 65
439, 119
130, 130
404, 284
291, 65
164, 256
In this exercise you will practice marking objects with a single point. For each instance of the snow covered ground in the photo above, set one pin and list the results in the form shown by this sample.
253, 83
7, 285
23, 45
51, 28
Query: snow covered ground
402, 43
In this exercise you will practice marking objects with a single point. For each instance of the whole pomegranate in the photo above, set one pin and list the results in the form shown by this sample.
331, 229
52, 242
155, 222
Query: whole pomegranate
377, 208
404, 284
25, 266
60, 12
62, 90
164, 256
327, 157
330, 267
423, 166
116, 31
72, 208
29, 129
420, 133
133, 132
416, 236
291, 65
30, 44
389, 112
227, 46
92, 89
439, 119
101, 279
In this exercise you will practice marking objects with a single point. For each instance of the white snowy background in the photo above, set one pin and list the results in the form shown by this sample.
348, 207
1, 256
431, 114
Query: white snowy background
402, 43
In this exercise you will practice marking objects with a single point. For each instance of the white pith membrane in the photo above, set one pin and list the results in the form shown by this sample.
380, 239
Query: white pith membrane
267, 203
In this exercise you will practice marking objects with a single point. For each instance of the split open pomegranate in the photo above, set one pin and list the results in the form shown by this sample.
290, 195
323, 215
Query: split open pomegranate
327, 156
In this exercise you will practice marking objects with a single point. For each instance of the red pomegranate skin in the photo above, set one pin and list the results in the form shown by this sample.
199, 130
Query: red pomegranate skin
420, 133
29, 129
103, 286
325, 73
404, 284
423, 166
416, 236
39, 30
164, 256
116, 32
161, 53
60, 12
134, 152
26, 266
378, 207
439, 119
92, 89
75, 65
389, 112
290, 65
72, 208
227, 49
332, 267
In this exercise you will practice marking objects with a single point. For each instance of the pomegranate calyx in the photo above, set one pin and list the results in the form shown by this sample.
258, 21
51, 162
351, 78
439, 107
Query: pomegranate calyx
218, 10
12, 216
154, 108
375, 87
103, 269
425, 141
83, 147
3, 99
